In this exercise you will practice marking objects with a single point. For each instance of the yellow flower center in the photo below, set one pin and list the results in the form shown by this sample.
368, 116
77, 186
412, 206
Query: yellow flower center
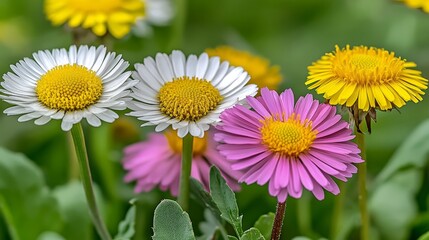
188, 99
175, 143
367, 66
362, 61
69, 88
290, 137
96, 5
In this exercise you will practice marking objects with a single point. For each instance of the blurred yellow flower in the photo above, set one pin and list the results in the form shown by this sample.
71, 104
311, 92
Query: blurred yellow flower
366, 78
259, 69
418, 4
101, 16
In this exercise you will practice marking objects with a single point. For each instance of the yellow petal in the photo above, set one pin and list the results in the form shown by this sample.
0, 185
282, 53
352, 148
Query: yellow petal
404, 94
352, 99
119, 30
370, 97
76, 20
99, 29
378, 94
363, 99
121, 17
348, 91
387, 93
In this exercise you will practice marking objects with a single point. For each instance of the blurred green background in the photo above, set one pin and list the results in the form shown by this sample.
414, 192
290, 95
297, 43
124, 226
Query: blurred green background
291, 34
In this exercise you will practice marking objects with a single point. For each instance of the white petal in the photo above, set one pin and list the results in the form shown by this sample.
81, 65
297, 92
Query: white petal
99, 58
203, 62
194, 129
15, 110
161, 127
73, 54
66, 126
164, 67
42, 120
229, 78
93, 120
191, 66
181, 132
29, 116
223, 69
212, 68
149, 79
178, 59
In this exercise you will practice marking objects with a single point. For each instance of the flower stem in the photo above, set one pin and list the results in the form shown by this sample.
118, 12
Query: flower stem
140, 221
185, 173
337, 215
82, 157
360, 140
278, 221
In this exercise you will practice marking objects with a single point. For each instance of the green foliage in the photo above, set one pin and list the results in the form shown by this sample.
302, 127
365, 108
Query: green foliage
201, 195
25, 202
171, 222
224, 198
252, 234
392, 203
265, 224
126, 227
210, 226
424, 236
74, 211
50, 236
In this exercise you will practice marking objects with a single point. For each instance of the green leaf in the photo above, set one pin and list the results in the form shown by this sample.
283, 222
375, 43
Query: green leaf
232, 237
252, 234
50, 236
265, 224
395, 214
200, 194
224, 198
25, 201
171, 222
424, 236
306, 238
401, 179
416, 143
126, 227
72, 203
210, 226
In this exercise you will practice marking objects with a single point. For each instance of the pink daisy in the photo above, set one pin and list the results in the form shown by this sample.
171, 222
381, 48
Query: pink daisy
289, 146
156, 162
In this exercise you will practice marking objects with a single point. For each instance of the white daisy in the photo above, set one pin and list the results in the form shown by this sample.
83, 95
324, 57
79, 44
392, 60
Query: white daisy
157, 13
188, 94
70, 85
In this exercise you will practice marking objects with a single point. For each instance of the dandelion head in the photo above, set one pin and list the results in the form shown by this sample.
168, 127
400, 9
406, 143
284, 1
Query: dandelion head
417, 4
364, 79
113, 16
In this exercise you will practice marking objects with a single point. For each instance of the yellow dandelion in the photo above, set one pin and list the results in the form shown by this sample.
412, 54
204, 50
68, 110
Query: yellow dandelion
113, 16
366, 79
418, 4
259, 69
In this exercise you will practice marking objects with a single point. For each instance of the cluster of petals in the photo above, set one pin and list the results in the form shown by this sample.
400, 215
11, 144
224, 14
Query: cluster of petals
19, 86
331, 154
153, 74
153, 163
